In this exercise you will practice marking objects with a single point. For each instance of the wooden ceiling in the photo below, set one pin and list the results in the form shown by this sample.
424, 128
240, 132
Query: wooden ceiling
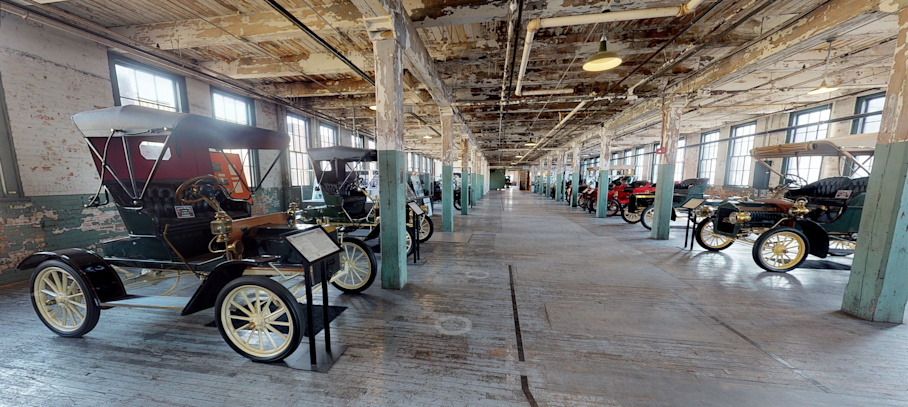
469, 40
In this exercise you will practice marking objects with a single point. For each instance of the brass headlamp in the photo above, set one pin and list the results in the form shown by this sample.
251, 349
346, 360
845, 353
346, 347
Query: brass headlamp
799, 210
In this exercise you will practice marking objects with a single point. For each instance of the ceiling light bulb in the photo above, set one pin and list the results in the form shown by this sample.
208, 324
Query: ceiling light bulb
373, 107
529, 144
427, 136
823, 88
602, 60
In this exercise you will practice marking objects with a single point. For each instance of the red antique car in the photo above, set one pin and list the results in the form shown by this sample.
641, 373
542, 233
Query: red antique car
620, 195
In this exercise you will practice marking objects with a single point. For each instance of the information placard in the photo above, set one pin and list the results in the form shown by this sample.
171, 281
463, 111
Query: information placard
415, 208
693, 203
314, 244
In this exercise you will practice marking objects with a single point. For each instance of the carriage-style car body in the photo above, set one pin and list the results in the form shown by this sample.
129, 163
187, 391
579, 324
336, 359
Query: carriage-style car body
348, 206
618, 197
186, 215
819, 218
641, 208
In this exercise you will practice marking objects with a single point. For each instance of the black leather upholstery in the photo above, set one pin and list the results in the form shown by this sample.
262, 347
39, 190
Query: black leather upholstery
691, 182
828, 187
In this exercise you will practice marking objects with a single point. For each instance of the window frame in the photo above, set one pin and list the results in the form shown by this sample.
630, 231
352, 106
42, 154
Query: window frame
250, 104
732, 140
114, 59
714, 144
306, 125
10, 183
253, 164
857, 125
654, 166
679, 160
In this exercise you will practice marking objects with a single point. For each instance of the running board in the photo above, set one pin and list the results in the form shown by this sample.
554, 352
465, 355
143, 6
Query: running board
155, 302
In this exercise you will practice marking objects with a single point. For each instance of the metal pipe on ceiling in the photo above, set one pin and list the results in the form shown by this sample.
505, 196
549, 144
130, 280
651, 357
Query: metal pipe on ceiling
629, 15
299, 24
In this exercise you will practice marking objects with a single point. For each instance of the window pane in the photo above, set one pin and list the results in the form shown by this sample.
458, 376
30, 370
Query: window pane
328, 135
300, 173
138, 87
679, 161
807, 167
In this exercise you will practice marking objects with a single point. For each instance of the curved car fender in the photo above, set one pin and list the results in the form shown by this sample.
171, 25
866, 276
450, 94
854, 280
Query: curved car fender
816, 235
207, 293
99, 275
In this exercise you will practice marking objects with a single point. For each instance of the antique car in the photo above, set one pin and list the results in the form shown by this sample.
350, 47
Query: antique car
619, 196
348, 205
593, 196
184, 201
798, 218
641, 208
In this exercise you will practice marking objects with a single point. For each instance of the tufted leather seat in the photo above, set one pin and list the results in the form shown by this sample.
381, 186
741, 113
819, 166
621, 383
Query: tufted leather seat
828, 187
686, 184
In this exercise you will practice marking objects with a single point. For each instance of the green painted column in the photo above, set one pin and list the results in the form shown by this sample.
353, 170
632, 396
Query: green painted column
877, 289
465, 178
665, 184
575, 175
392, 163
476, 190
447, 169
605, 144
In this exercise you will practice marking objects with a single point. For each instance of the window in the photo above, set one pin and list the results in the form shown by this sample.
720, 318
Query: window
679, 161
739, 160
869, 124
327, 135
615, 161
706, 168
357, 140
300, 173
807, 167
135, 84
236, 109
9, 173
655, 162
868, 104
639, 165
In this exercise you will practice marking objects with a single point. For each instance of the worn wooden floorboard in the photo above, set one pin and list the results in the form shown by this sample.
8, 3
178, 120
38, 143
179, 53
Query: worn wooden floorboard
608, 317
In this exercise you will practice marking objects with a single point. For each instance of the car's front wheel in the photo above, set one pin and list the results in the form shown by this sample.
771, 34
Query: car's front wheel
630, 217
709, 239
612, 207
781, 249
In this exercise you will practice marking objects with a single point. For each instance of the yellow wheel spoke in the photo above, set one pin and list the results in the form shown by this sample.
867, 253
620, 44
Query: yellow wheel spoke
276, 332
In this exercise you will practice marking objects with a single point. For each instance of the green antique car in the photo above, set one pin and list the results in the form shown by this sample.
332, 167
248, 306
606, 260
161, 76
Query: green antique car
799, 218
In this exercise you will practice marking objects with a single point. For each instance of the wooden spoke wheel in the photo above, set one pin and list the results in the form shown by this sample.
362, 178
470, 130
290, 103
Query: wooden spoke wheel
358, 265
630, 217
781, 249
709, 239
259, 318
648, 217
426, 228
409, 244
612, 207
840, 247
63, 300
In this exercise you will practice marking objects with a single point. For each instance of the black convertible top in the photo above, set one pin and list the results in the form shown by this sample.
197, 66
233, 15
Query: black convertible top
145, 121
342, 153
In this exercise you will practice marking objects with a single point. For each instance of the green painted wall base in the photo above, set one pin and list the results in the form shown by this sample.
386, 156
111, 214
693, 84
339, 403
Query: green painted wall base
464, 193
602, 191
877, 289
392, 166
664, 192
447, 198
575, 182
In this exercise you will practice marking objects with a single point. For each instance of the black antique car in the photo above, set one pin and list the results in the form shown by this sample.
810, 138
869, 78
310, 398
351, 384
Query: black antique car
641, 208
799, 218
339, 172
185, 203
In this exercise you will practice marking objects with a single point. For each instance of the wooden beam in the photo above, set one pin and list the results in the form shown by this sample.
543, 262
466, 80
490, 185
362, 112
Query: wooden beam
308, 64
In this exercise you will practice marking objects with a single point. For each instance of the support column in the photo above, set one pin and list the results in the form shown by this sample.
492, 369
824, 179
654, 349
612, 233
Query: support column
665, 183
575, 174
447, 169
559, 177
392, 163
877, 289
605, 147
465, 176
549, 175
544, 177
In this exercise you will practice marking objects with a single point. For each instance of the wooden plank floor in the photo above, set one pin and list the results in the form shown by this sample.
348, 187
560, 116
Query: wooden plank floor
607, 316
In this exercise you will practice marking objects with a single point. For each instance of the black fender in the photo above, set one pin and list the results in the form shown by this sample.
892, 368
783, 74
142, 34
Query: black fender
207, 293
100, 276
816, 235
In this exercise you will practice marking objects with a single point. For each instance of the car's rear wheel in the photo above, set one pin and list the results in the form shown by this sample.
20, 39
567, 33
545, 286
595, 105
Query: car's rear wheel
63, 300
410, 238
581, 201
648, 217
781, 249
630, 217
612, 207
426, 228
709, 239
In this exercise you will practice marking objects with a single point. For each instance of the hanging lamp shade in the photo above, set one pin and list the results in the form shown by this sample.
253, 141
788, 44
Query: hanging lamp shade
602, 60
823, 88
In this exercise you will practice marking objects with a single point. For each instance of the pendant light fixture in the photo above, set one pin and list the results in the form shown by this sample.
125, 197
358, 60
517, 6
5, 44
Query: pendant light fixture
602, 60
824, 88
